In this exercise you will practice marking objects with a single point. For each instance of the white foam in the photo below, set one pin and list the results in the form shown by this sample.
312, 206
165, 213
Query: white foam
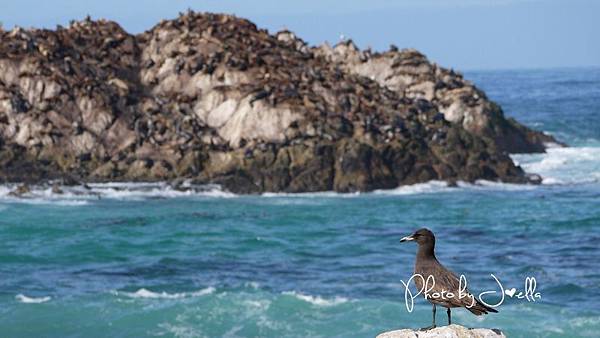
32, 300
316, 300
145, 293
559, 165
154, 190
433, 187
59, 202
311, 194
419, 188
495, 186
576, 165
552, 145
81, 195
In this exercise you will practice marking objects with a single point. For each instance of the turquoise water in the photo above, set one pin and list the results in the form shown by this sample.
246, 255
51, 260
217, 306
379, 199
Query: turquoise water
149, 261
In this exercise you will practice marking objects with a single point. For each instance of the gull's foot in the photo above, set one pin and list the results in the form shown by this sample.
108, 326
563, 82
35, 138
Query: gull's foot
427, 328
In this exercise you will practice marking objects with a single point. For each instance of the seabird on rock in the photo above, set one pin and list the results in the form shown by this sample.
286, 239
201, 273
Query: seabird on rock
443, 290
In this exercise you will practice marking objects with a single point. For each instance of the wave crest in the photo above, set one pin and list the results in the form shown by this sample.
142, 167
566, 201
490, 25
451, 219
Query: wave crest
577, 165
316, 300
85, 194
145, 293
32, 300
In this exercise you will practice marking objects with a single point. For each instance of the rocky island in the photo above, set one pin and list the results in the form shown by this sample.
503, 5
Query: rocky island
212, 99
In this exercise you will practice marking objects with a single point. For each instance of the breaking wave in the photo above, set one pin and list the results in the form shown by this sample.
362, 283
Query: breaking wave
32, 300
84, 194
577, 165
316, 300
145, 293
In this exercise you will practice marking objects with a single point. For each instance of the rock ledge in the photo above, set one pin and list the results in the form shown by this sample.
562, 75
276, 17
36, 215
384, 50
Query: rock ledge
450, 331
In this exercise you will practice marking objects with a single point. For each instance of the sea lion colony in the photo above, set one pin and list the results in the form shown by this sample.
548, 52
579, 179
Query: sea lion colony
214, 99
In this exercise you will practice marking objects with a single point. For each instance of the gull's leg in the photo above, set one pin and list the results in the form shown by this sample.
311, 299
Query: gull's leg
432, 325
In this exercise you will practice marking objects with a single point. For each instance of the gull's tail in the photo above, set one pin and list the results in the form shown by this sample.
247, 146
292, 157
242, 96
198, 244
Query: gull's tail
480, 309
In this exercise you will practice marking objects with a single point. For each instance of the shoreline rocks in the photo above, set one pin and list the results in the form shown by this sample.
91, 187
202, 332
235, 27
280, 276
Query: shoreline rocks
214, 99
450, 331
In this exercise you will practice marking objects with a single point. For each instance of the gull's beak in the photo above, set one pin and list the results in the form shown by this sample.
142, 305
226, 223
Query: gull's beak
407, 238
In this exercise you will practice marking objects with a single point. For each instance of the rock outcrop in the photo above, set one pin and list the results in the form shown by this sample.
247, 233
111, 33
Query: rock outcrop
214, 99
450, 331
410, 74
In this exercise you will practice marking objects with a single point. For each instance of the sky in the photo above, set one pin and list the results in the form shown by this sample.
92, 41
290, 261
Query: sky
462, 34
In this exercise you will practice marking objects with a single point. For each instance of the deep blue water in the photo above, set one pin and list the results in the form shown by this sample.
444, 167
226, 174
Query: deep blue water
149, 261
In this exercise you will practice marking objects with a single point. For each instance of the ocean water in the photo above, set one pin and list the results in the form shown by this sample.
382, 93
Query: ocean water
145, 260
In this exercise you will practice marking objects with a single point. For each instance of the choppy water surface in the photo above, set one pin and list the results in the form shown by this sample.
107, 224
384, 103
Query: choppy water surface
150, 261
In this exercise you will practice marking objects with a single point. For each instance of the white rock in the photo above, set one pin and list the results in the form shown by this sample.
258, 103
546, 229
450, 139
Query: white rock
450, 331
